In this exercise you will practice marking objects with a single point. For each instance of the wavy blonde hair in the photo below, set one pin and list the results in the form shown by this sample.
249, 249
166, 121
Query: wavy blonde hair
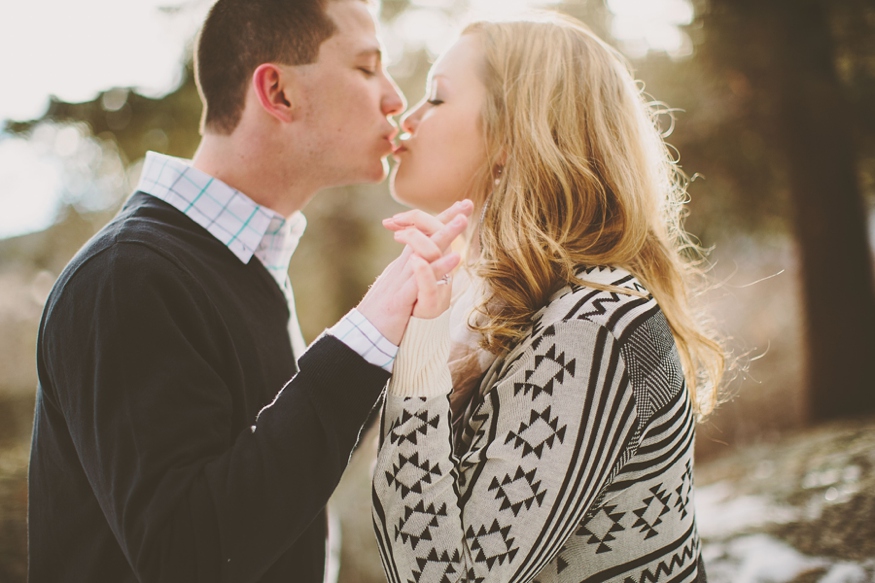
578, 175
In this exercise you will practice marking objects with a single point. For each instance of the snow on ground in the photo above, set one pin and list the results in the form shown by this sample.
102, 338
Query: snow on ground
800, 511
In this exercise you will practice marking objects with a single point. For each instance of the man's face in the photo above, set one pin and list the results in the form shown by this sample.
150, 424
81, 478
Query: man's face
346, 99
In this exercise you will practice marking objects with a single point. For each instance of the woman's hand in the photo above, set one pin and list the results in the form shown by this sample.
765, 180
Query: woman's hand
428, 224
433, 296
393, 296
414, 229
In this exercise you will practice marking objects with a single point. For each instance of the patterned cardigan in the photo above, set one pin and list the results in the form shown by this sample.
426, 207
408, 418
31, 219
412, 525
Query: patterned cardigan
572, 463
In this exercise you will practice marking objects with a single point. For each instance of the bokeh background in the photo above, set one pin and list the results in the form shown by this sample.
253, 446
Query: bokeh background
773, 119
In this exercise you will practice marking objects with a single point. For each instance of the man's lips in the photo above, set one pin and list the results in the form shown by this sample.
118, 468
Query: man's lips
390, 140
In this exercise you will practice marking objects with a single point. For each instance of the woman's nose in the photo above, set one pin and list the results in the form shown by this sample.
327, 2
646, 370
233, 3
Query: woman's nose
410, 120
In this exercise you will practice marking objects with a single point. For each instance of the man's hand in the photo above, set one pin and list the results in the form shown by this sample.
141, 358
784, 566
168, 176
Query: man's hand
390, 302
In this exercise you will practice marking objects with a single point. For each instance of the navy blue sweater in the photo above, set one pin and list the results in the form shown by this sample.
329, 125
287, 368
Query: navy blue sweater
169, 443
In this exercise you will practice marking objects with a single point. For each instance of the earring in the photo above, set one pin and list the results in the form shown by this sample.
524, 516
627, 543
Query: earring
498, 177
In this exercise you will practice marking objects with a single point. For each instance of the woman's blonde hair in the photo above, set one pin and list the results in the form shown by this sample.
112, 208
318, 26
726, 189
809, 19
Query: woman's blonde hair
578, 175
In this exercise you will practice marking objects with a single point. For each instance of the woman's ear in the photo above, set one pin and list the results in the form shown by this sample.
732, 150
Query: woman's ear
502, 157
498, 167
272, 87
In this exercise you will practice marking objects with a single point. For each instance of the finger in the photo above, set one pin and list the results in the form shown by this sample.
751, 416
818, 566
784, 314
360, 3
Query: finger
419, 244
417, 219
448, 233
432, 299
464, 206
445, 265
425, 222
426, 282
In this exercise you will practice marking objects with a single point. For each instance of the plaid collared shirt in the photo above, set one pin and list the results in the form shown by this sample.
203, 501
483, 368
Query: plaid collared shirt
249, 229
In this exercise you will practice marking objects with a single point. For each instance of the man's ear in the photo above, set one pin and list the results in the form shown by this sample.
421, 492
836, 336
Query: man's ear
271, 84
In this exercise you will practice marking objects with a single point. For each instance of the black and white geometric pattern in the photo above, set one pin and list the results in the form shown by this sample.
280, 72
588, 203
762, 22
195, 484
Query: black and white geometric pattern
518, 491
650, 514
409, 475
541, 431
573, 462
601, 528
402, 430
417, 521
491, 545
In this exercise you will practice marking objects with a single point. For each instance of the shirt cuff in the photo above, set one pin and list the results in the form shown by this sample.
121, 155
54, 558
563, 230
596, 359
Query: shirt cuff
358, 333
421, 369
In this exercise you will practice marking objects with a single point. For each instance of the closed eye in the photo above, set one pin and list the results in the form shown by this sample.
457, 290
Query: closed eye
367, 72
435, 102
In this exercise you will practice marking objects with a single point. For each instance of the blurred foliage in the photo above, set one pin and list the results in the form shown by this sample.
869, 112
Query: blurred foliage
136, 123
722, 132
729, 135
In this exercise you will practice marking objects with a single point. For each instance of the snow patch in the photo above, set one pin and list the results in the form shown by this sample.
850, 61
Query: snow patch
760, 558
720, 513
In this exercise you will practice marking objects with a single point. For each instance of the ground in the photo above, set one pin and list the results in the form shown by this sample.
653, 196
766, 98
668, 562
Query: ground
801, 510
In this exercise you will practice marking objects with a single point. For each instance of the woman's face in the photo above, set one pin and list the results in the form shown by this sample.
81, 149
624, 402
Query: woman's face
438, 160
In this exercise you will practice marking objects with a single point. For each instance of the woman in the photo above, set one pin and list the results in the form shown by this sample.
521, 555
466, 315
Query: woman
576, 366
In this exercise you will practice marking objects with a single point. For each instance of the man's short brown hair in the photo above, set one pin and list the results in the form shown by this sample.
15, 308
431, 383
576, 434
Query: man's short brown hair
240, 35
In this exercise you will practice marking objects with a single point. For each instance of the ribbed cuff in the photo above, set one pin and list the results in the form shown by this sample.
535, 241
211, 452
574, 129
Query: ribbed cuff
421, 368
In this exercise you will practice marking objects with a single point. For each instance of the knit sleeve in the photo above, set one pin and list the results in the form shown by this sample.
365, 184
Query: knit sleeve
421, 368
547, 438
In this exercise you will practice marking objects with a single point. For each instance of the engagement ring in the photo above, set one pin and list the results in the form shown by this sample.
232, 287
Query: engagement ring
445, 280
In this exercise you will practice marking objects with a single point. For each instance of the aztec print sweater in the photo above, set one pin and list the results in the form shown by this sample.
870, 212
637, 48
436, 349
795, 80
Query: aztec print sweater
573, 462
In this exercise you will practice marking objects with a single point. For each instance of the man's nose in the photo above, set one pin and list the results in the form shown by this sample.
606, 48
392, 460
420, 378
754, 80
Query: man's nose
393, 100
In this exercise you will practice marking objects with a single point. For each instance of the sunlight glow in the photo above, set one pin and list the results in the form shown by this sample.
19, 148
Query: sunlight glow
504, 8
642, 26
434, 24
75, 49
58, 164
29, 182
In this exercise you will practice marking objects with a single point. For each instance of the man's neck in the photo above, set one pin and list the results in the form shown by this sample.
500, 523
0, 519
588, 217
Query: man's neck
256, 172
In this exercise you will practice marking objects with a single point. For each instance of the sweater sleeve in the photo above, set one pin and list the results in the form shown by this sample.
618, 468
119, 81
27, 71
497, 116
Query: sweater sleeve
421, 369
144, 392
539, 449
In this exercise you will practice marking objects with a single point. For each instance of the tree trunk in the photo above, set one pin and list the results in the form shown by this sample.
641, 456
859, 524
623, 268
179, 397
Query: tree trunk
814, 126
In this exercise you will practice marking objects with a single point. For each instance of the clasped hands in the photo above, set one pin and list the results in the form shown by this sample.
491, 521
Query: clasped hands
411, 285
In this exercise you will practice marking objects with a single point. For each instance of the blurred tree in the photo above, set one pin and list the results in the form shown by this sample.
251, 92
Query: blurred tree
136, 123
738, 133
782, 55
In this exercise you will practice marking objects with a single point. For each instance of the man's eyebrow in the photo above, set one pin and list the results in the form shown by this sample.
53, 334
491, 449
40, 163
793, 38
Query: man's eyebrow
371, 51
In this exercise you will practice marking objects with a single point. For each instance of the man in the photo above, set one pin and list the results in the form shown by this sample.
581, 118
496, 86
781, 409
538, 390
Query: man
164, 449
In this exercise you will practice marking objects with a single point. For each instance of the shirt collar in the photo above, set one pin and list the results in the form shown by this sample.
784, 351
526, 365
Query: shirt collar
233, 218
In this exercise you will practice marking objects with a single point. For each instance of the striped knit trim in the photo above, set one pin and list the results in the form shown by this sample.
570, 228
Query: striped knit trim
420, 368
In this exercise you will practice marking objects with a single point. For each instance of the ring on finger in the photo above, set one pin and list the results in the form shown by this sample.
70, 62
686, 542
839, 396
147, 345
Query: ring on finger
445, 280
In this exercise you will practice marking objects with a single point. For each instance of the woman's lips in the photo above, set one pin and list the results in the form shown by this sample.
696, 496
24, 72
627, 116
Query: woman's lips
399, 149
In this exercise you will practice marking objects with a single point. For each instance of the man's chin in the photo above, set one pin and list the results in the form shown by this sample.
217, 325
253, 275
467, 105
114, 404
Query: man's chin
373, 173
379, 172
